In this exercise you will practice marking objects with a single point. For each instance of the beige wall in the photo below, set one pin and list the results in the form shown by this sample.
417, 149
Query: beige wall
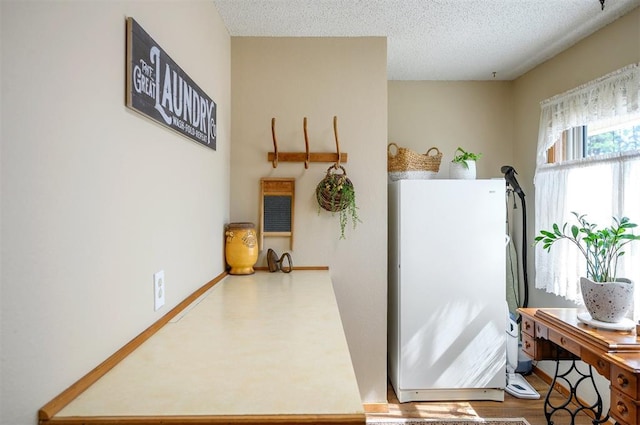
290, 78
500, 119
96, 198
474, 115
609, 49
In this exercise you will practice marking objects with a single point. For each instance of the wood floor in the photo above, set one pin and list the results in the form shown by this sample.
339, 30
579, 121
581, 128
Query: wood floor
511, 407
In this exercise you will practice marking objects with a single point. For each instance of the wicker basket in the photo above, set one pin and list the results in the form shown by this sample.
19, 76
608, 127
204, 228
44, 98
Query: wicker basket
406, 164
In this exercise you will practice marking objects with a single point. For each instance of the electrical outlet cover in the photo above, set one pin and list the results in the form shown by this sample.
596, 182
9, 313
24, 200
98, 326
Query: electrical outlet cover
158, 289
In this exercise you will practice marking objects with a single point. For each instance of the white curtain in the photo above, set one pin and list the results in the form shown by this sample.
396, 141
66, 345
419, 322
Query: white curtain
601, 187
608, 99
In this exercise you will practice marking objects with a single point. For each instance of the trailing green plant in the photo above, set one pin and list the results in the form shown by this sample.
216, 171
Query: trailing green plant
601, 248
464, 156
335, 193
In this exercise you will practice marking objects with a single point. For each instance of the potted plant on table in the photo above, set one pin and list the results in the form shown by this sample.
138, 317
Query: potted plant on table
463, 165
606, 297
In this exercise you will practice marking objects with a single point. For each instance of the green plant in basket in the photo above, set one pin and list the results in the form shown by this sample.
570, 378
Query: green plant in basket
335, 193
463, 156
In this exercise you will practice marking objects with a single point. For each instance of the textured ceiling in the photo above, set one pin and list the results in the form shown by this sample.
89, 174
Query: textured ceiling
435, 39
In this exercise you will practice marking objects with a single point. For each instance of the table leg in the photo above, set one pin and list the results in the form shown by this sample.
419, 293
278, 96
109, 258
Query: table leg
573, 404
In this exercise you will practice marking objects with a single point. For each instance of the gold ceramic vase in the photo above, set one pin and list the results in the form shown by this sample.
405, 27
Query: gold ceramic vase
241, 249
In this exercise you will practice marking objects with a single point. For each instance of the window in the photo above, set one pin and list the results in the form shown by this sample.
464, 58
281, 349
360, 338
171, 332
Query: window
588, 161
603, 140
595, 140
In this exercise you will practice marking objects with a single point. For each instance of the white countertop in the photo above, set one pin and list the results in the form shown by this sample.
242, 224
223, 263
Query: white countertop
263, 344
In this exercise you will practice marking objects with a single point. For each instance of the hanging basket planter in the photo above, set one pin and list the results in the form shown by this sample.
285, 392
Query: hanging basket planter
335, 193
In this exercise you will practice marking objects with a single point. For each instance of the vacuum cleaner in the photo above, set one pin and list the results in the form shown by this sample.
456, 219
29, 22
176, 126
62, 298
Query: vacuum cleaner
517, 386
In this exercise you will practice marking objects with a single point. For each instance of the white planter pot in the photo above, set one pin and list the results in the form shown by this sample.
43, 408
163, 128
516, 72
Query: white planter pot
459, 171
607, 301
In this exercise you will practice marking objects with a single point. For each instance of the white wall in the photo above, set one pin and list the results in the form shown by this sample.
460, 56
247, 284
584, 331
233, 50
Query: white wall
96, 198
290, 78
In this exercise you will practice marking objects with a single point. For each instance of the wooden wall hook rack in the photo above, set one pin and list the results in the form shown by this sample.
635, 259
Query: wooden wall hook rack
307, 157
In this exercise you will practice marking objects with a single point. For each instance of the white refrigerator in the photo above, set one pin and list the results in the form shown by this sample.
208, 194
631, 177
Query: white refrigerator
447, 308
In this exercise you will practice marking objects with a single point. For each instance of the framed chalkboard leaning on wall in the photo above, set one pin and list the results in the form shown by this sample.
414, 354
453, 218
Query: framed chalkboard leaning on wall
160, 90
277, 196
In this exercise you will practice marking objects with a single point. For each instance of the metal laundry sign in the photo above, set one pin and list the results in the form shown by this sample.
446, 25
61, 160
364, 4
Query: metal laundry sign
158, 88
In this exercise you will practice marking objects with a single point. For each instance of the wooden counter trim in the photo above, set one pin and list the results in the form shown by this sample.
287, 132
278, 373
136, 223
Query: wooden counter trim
356, 418
47, 412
